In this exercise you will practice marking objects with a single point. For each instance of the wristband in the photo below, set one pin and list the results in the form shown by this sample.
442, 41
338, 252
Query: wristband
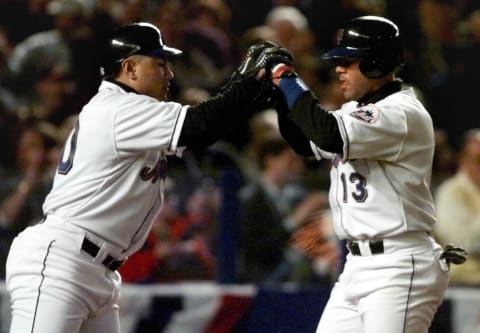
292, 88
279, 69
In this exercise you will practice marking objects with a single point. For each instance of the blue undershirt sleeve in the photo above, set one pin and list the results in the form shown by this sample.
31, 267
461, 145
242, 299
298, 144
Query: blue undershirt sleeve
292, 88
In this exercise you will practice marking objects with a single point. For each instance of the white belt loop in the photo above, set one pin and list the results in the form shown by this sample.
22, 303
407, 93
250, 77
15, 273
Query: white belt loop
364, 247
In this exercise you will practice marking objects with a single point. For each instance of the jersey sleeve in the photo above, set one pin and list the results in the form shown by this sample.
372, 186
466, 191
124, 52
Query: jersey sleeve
372, 131
320, 154
143, 123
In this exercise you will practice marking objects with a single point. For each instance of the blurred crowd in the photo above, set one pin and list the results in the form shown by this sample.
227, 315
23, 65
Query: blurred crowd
231, 211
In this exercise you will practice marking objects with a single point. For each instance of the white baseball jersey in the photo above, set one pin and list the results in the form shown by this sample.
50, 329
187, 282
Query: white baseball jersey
110, 177
380, 186
380, 191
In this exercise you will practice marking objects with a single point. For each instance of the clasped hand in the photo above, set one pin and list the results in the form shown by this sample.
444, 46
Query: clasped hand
262, 58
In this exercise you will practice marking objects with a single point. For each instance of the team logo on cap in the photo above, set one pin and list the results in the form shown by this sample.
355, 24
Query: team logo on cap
368, 113
339, 36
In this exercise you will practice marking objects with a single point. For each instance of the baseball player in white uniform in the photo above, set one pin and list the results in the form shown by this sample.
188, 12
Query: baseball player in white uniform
62, 273
381, 146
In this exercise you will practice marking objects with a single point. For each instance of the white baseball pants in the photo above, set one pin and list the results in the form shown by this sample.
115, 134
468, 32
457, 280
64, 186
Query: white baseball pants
56, 288
398, 291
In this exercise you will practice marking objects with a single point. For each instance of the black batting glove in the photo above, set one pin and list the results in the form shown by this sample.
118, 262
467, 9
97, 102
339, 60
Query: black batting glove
249, 67
454, 255
274, 58
264, 55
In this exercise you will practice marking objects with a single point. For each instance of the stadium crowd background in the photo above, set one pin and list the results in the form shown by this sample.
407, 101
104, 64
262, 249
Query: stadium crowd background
50, 52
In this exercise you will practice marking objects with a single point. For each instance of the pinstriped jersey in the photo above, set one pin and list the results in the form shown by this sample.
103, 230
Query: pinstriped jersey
380, 186
110, 177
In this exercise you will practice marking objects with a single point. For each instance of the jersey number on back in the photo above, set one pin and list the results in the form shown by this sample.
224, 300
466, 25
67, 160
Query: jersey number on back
68, 152
360, 184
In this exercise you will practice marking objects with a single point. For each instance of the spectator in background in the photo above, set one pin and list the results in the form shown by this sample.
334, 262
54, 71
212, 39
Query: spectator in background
179, 246
261, 127
23, 18
24, 186
201, 30
65, 50
49, 97
324, 16
272, 208
317, 240
125, 12
208, 30
192, 239
256, 35
434, 64
292, 28
444, 163
458, 210
6, 49
8, 102
465, 71
247, 14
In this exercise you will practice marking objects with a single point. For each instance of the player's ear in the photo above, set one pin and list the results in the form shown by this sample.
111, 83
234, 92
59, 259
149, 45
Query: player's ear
129, 67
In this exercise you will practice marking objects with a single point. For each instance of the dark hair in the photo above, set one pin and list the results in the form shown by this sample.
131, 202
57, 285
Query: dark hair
468, 135
271, 146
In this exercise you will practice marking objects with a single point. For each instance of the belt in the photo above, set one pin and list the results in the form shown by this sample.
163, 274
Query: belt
376, 247
92, 249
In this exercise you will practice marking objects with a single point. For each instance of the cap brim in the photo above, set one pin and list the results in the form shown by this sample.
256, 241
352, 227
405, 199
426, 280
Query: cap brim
342, 52
165, 51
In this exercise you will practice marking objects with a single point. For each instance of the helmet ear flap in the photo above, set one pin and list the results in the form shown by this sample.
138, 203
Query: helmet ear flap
372, 67
379, 65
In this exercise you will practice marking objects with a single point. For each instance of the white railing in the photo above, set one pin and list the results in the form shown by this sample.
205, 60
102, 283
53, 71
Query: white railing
204, 300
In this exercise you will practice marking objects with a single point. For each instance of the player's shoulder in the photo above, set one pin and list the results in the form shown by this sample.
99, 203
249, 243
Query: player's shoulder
108, 88
408, 96
111, 95
108, 99
406, 100
396, 107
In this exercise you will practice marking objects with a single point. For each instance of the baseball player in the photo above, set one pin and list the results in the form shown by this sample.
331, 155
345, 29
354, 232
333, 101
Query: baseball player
381, 145
62, 273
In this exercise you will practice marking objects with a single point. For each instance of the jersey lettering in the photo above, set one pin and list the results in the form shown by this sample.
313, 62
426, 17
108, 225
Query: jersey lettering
68, 152
156, 172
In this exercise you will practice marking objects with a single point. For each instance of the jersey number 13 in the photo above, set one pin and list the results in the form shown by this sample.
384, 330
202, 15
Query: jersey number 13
359, 182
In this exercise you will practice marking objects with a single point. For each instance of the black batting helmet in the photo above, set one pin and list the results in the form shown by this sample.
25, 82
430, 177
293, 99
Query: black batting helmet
374, 40
136, 38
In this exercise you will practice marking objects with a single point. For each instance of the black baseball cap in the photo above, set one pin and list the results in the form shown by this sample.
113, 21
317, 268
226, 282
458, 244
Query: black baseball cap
137, 38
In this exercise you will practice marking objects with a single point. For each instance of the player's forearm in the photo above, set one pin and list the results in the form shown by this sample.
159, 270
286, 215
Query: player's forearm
317, 124
293, 135
210, 120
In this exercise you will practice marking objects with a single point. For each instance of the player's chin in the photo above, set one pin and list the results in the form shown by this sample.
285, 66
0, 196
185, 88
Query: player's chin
162, 95
349, 94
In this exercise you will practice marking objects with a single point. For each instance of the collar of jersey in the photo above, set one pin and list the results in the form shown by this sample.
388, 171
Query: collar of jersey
122, 85
388, 89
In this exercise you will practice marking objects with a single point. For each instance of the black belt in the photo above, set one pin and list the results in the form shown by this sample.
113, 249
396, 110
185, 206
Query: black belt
376, 247
92, 249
